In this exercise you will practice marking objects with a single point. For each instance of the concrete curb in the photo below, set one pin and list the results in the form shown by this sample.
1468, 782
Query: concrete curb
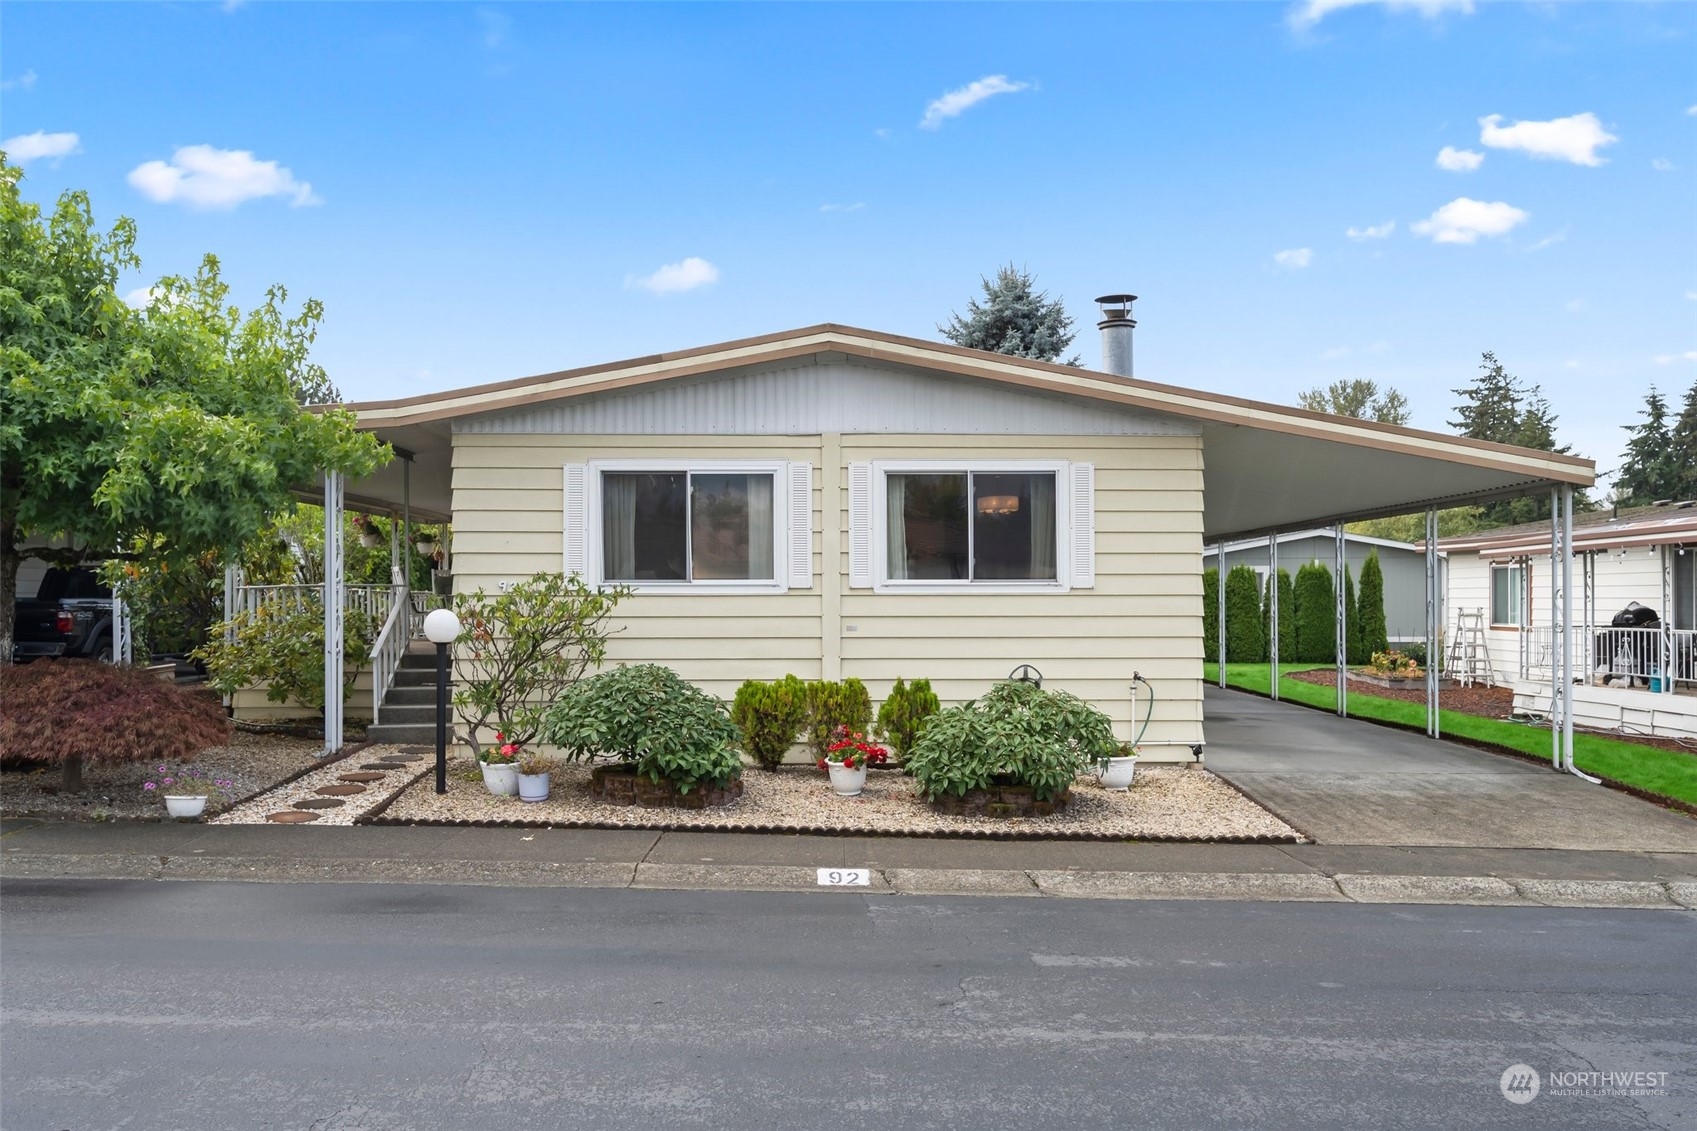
1274, 887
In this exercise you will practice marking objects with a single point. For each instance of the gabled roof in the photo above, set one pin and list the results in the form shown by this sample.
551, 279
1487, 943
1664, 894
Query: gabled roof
1672, 524
1267, 466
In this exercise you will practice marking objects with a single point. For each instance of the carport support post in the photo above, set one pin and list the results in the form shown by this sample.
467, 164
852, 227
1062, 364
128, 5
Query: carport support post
1220, 611
334, 592
1273, 614
1434, 616
1343, 625
1558, 641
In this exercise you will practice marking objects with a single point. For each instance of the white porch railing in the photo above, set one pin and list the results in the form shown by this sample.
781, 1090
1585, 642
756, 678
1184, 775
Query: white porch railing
1621, 653
388, 648
373, 600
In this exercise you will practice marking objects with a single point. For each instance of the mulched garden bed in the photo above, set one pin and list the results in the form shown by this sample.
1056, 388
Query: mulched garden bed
1486, 702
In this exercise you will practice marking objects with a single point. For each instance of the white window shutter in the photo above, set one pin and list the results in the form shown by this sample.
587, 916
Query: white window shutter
860, 525
577, 520
1083, 526
801, 526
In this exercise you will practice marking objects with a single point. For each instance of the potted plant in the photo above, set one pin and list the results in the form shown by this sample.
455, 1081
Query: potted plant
533, 770
1116, 770
186, 790
425, 542
501, 766
370, 534
847, 758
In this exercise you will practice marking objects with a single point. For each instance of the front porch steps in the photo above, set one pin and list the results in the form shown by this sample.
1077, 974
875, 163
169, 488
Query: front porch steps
409, 708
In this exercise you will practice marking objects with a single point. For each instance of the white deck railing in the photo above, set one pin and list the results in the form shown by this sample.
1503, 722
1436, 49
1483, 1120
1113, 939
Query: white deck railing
388, 648
373, 600
1621, 653
386, 604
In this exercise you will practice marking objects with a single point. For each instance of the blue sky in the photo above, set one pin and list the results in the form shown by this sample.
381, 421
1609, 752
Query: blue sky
484, 191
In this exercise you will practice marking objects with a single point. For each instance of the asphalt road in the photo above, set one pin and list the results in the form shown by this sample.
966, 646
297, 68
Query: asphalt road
230, 1005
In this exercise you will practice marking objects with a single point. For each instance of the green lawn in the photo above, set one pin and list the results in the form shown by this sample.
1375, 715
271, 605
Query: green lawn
1665, 772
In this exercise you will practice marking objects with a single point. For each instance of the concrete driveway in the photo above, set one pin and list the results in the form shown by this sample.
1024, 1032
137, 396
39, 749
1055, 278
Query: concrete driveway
1343, 781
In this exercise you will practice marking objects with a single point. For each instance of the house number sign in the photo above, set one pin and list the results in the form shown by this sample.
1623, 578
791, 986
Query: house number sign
844, 877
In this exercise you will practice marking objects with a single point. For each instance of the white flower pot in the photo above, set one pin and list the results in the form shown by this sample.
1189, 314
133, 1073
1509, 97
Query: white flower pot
371, 541
847, 782
503, 781
428, 549
1118, 774
533, 787
190, 805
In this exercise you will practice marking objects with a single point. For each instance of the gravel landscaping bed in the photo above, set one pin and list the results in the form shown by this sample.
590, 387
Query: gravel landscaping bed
1166, 803
254, 762
350, 803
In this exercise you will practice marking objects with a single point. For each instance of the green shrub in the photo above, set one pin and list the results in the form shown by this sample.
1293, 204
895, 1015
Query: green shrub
76, 711
647, 717
1355, 653
904, 713
1372, 610
1018, 733
1211, 616
831, 705
1246, 640
1316, 616
770, 717
1287, 619
281, 645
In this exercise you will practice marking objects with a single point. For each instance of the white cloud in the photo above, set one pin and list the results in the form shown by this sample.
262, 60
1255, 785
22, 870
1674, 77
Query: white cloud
1335, 353
685, 275
1576, 138
1306, 14
495, 27
1692, 295
1464, 220
882, 132
1550, 240
203, 177
142, 297
1690, 111
959, 101
1574, 305
855, 207
1669, 359
1294, 258
32, 147
25, 81
1661, 164
1372, 231
1459, 160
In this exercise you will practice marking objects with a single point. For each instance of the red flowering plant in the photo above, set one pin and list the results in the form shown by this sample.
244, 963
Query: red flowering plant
503, 753
850, 750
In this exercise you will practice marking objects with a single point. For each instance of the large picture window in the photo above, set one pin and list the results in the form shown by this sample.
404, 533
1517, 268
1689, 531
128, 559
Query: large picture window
1505, 595
970, 526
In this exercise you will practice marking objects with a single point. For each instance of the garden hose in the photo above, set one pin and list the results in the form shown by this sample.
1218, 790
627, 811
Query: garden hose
1136, 679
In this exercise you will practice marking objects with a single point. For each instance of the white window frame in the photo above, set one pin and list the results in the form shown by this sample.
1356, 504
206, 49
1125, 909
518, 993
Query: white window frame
1517, 588
882, 469
778, 469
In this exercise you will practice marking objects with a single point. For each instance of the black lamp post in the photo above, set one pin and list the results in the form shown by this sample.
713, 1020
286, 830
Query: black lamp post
442, 628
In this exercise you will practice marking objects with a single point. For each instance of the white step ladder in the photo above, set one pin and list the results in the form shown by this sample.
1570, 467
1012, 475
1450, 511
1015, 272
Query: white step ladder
1469, 660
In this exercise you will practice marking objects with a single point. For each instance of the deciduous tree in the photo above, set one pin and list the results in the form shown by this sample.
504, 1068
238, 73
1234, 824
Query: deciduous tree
1359, 398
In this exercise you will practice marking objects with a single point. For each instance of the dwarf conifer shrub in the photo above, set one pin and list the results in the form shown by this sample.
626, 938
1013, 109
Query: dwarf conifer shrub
1316, 615
1246, 642
830, 705
78, 711
1211, 615
1372, 606
648, 717
771, 717
1017, 734
904, 712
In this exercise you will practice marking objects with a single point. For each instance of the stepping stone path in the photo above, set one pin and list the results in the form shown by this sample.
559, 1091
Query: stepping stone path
359, 777
320, 803
291, 817
400, 758
345, 790
381, 766
334, 793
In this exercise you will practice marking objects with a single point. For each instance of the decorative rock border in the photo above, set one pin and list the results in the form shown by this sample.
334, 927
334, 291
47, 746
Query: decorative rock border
619, 785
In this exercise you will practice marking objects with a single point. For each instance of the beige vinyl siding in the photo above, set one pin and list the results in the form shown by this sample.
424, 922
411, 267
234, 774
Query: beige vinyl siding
509, 515
1144, 613
252, 706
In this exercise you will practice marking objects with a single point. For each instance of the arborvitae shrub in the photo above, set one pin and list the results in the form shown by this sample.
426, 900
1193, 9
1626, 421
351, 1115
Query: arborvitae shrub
73, 712
831, 705
1316, 615
1287, 617
904, 713
770, 717
1372, 610
1245, 641
1211, 615
1352, 625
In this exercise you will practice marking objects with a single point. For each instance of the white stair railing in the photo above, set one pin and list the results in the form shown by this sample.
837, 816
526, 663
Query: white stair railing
388, 648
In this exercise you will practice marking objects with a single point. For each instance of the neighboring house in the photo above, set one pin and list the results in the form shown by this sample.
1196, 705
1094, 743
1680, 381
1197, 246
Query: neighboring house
1645, 556
837, 502
1403, 567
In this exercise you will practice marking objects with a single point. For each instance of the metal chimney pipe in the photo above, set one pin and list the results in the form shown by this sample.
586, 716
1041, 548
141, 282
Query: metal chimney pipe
1116, 326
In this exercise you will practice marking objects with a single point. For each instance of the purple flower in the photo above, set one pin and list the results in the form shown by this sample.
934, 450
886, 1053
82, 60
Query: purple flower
169, 781
149, 785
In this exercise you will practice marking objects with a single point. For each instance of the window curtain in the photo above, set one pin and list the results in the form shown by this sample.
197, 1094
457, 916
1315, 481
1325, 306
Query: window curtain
760, 526
618, 526
897, 522
1042, 526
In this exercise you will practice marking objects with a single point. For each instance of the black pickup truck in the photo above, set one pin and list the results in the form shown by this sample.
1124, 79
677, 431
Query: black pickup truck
70, 615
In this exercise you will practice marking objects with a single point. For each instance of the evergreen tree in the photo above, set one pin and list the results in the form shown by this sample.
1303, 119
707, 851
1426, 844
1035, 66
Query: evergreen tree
1682, 448
1287, 617
1014, 318
1358, 398
1211, 615
1371, 614
1648, 470
1353, 651
1316, 615
1502, 409
1246, 643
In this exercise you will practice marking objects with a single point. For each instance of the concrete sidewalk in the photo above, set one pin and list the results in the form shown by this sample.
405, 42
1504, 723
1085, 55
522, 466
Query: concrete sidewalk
1347, 781
913, 866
